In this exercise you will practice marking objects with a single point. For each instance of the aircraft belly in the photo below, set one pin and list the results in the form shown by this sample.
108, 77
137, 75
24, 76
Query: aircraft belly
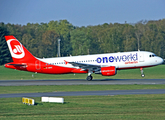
56, 70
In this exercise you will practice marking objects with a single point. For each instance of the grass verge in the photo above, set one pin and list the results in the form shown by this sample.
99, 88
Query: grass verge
52, 88
119, 107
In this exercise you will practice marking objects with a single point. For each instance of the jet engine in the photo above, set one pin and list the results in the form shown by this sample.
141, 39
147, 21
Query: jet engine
107, 71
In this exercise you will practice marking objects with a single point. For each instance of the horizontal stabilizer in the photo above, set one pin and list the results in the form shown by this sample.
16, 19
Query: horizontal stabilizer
18, 64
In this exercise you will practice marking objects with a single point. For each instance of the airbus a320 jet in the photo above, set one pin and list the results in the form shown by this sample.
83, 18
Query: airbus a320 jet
104, 64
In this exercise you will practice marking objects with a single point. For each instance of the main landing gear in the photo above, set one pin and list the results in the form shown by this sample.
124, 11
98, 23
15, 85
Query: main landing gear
89, 77
142, 74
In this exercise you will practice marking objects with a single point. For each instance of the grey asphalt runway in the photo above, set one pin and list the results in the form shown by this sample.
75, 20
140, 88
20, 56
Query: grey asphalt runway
81, 82
85, 93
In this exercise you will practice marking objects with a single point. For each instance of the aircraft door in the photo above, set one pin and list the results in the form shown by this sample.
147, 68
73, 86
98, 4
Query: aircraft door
38, 65
141, 57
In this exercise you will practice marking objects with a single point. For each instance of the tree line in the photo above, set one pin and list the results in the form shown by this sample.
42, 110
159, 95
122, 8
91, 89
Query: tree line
42, 39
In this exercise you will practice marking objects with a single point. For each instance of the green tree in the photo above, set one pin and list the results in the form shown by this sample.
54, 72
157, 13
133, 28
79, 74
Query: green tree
106, 38
63, 28
80, 42
129, 42
15, 30
5, 56
49, 43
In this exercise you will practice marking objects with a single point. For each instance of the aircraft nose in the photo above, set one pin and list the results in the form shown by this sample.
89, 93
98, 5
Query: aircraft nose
161, 60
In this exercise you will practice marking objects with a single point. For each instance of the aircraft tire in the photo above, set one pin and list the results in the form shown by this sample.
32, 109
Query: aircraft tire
143, 75
89, 78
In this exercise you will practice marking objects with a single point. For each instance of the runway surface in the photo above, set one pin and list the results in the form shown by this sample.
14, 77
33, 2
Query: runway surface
85, 93
81, 82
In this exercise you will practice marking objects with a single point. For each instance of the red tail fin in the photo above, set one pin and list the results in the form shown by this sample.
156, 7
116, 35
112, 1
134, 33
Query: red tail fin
18, 52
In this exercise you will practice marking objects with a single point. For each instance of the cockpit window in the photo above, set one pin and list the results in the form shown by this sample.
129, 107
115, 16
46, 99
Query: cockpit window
153, 55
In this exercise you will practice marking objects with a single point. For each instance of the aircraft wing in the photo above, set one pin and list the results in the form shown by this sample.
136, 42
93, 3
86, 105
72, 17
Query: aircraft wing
85, 66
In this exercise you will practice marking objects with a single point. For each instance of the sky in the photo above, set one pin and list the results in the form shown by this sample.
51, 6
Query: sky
80, 12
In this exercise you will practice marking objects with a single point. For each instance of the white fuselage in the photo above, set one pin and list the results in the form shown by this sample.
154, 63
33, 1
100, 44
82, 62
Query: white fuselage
121, 60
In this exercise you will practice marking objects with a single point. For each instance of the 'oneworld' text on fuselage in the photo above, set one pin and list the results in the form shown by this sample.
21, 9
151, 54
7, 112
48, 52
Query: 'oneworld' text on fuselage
123, 58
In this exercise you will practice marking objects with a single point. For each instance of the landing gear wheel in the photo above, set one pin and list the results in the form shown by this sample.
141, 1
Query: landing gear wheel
89, 78
143, 75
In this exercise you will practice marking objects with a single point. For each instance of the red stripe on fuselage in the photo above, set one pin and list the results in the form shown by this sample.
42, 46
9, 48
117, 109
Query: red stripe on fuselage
45, 68
135, 67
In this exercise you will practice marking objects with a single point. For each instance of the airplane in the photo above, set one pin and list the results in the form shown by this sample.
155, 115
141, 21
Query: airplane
105, 64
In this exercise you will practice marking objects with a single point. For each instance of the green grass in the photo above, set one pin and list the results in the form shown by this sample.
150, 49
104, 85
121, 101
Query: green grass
119, 107
55, 88
156, 72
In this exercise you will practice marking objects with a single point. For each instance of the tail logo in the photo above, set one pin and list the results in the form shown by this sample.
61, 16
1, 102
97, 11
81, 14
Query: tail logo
16, 49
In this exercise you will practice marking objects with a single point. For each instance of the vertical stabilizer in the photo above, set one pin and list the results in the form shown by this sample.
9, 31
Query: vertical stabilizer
18, 52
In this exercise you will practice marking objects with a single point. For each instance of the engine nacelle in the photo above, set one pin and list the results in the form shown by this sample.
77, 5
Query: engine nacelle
108, 71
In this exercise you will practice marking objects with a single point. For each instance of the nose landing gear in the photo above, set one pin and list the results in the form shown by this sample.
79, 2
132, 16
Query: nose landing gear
142, 74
